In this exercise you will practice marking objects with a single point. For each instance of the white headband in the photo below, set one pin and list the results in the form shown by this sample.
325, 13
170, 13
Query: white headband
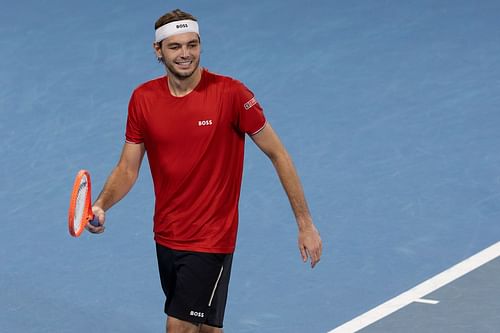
175, 28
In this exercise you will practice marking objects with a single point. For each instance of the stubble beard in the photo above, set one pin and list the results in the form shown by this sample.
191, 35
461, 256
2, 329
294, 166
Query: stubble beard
181, 75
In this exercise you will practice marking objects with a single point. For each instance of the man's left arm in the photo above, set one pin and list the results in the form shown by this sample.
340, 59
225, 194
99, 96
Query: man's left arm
309, 240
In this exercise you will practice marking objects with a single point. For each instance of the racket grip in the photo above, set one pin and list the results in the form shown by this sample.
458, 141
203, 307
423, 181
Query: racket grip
95, 221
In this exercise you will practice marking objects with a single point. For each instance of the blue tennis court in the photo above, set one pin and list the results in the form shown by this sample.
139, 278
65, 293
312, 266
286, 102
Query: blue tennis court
390, 110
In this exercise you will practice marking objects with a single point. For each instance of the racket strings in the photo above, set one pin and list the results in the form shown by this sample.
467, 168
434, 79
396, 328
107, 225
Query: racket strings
80, 206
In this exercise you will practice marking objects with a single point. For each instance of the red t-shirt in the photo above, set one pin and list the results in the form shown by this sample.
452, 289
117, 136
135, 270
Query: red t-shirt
195, 150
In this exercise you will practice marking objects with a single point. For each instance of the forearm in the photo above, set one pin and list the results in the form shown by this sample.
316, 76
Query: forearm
117, 186
290, 180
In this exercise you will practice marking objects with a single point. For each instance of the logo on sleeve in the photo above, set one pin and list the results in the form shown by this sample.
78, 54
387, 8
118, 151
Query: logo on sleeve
250, 103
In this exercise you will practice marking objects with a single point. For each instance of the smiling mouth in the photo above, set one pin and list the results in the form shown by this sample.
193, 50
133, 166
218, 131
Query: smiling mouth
184, 63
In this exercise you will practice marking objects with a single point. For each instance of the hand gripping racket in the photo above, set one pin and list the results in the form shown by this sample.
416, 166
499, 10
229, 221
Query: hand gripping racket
80, 207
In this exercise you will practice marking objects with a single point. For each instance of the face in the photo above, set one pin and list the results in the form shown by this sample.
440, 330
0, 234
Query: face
180, 54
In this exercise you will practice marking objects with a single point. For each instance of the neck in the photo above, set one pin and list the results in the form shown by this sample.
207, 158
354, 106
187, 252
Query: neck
181, 86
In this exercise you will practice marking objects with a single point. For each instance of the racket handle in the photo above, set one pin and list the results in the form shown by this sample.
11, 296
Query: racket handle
95, 221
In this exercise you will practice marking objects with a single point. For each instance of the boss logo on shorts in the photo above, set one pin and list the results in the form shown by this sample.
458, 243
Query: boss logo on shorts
197, 314
205, 122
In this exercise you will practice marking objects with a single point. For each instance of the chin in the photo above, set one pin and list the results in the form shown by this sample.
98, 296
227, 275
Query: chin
183, 73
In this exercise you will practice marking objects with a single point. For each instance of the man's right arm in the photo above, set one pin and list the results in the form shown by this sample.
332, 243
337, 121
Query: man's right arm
119, 183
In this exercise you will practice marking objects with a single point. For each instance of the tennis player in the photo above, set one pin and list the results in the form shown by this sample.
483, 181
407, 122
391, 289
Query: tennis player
192, 124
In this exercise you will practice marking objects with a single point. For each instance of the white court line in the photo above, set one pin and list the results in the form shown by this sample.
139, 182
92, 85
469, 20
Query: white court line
426, 301
420, 291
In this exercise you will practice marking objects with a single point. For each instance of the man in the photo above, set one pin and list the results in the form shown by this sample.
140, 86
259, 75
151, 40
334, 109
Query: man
192, 124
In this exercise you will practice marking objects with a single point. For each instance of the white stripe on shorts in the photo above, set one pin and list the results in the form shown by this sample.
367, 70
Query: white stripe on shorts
215, 287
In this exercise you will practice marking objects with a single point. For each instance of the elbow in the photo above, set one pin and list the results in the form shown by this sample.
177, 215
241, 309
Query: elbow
279, 157
127, 172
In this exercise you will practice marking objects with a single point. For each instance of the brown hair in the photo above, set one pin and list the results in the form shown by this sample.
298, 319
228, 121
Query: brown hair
174, 15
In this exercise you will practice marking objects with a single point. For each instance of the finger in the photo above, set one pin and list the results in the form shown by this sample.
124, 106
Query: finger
303, 253
98, 230
316, 257
313, 257
314, 261
100, 219
94, 229
91, 229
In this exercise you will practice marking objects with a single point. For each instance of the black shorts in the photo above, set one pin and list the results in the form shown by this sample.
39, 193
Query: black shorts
195, 284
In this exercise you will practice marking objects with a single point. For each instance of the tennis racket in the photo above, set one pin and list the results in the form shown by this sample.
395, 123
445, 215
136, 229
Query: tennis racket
80, 207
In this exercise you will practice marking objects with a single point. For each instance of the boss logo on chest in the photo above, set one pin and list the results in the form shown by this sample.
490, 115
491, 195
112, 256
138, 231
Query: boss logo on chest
208, 122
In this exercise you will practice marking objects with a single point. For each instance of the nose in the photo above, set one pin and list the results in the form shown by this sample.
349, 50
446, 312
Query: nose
185, 52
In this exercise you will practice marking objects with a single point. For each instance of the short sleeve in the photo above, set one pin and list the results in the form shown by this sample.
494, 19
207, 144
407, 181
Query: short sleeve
134, 130
250, 116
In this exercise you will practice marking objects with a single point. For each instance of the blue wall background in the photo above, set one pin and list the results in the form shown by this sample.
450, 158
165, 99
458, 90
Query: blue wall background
389, 108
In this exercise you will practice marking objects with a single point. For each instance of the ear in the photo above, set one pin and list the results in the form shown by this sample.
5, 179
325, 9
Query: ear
157, 48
